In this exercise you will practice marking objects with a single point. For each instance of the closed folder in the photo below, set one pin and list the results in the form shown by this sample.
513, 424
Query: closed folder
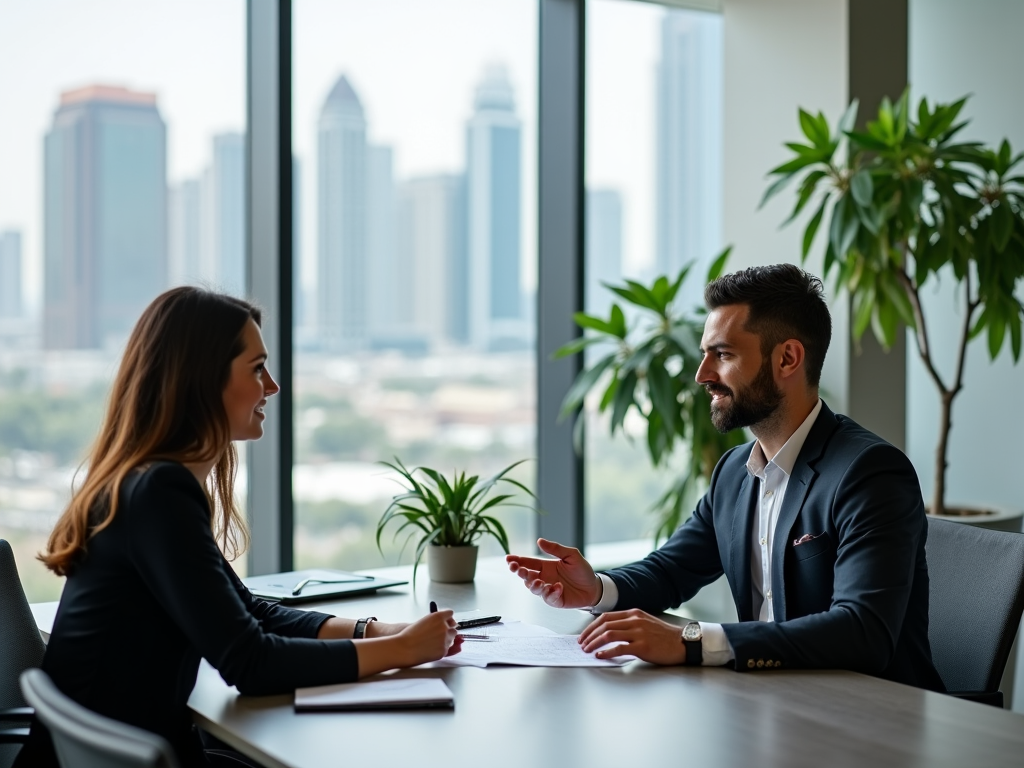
413, 693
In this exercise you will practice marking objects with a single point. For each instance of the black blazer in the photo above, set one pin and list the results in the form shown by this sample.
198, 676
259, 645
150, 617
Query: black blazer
149, 598
854, 597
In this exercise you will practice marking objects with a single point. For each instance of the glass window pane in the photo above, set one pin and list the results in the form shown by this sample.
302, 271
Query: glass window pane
414, 135
654, 204
121, 155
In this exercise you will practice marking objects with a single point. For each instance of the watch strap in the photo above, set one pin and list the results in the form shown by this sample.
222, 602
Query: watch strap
360, 631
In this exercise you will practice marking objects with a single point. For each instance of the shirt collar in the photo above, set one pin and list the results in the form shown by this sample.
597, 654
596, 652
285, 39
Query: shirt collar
786, 458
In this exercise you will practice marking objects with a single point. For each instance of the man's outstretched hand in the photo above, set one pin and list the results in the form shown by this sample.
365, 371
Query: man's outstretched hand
566, 582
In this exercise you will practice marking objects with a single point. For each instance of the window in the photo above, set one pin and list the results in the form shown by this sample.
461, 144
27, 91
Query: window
654, 203
414, 132
122, 158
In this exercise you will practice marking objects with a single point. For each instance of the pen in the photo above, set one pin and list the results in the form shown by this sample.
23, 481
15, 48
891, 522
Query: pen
433, 607
475, 637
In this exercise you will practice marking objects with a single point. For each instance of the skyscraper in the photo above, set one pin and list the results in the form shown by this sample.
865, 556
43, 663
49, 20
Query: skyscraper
432, 258
493, 200
226, 207
604, 249
341, 220
185, 234
689, 145
105, 215
390, 300
11, 305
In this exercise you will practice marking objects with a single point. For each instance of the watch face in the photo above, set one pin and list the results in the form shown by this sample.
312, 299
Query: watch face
692, 632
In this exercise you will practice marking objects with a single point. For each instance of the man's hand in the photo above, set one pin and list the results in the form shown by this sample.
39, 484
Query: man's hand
567, 582
638, 634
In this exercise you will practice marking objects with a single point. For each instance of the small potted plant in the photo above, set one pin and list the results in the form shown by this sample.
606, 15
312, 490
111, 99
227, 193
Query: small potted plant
449, 516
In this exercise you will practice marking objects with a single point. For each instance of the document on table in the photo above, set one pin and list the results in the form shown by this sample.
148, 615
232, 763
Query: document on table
525, 645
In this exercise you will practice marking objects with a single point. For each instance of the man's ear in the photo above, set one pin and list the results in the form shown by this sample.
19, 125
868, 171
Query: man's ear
792, 358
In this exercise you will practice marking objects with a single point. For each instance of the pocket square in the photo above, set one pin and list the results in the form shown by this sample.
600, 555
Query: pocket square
804, 539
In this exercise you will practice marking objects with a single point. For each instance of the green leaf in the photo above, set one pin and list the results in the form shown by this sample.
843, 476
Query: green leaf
583, 384
777, 186
1002, 225
575, 347
623, 399
862, 188
996, 333
849, 118
718, 265
812, 229
583, 320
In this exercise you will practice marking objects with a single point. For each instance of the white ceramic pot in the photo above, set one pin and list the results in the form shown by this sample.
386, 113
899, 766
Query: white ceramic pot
990, 516
451, 565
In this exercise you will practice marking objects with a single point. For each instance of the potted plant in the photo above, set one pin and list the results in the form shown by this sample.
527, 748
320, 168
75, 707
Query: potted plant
449, 516
649, 367
902, 202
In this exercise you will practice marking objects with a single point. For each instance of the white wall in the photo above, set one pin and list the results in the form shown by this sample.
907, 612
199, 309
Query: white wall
780, 55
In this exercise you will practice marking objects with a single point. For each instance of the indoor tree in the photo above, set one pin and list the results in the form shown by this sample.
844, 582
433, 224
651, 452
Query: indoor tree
901, 203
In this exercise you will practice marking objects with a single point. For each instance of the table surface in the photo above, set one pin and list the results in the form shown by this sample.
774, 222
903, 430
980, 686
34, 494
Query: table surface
639, 714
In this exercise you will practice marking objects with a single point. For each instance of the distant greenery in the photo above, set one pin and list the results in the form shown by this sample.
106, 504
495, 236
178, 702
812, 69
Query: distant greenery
63, 425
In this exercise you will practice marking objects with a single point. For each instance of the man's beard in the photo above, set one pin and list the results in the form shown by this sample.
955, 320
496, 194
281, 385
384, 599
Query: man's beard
752, 404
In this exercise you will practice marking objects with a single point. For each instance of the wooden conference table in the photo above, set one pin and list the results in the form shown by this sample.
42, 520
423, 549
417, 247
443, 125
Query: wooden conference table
639, 714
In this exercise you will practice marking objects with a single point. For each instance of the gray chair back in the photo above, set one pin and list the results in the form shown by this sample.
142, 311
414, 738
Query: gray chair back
19, 637
21, 647
976, 597
84, 739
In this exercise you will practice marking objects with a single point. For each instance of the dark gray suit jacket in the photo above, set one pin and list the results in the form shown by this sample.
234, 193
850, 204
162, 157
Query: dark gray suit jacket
855, 597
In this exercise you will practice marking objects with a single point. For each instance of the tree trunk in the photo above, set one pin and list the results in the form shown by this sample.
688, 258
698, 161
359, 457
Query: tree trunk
941, 461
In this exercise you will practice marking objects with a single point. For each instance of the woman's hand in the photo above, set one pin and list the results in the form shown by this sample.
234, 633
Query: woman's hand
428, 639
384, 629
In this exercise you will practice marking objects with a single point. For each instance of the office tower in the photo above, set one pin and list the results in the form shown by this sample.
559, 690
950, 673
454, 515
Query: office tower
341, 220
226, 209
185, 233
689, 145
105, 215
298, 294
390, 287
11, 305
493, 200
603, 249
432, 258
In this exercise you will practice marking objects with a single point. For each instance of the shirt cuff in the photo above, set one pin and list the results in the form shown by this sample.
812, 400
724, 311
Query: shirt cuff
715, 647
609, 597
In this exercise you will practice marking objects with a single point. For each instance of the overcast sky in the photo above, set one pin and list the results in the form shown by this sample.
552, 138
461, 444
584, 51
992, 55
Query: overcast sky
414, 64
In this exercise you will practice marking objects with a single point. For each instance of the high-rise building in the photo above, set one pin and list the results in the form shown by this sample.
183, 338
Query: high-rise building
689, 146
11, 304
389, 311
226, 206
432, 258
185, 234
341, 220
299, 307
105, 215
603, 262
493, 171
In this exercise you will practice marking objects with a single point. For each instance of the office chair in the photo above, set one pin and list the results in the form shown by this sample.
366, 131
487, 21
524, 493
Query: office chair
84, 739
976, 596
22, 648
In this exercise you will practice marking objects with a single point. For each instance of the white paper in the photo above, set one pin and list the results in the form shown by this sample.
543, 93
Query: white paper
376, 694
536, 650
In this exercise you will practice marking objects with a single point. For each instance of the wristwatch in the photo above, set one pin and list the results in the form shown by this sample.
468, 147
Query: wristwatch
360, 630
692, 637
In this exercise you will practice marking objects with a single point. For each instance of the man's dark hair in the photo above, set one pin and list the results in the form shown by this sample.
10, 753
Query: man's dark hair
785, 303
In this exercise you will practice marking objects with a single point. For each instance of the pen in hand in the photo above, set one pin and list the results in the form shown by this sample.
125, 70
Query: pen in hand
433, 607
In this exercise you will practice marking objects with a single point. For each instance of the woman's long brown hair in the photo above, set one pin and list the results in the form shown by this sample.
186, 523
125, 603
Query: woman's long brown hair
166, 403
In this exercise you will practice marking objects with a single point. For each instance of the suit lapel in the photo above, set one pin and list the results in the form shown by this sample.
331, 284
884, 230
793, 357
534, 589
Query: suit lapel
742, 541
799, 485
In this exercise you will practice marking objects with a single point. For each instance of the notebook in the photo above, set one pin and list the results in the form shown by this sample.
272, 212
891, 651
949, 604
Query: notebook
414, 693
314, 584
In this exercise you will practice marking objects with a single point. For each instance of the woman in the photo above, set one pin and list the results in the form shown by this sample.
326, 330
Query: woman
149, 592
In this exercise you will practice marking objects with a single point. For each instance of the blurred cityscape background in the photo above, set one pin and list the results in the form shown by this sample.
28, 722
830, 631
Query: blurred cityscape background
415, 279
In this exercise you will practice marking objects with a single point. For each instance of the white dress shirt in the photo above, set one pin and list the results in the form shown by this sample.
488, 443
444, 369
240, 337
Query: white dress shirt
773, 478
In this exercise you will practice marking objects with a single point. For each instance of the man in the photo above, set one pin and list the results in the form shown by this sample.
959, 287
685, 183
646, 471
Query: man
818, 524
